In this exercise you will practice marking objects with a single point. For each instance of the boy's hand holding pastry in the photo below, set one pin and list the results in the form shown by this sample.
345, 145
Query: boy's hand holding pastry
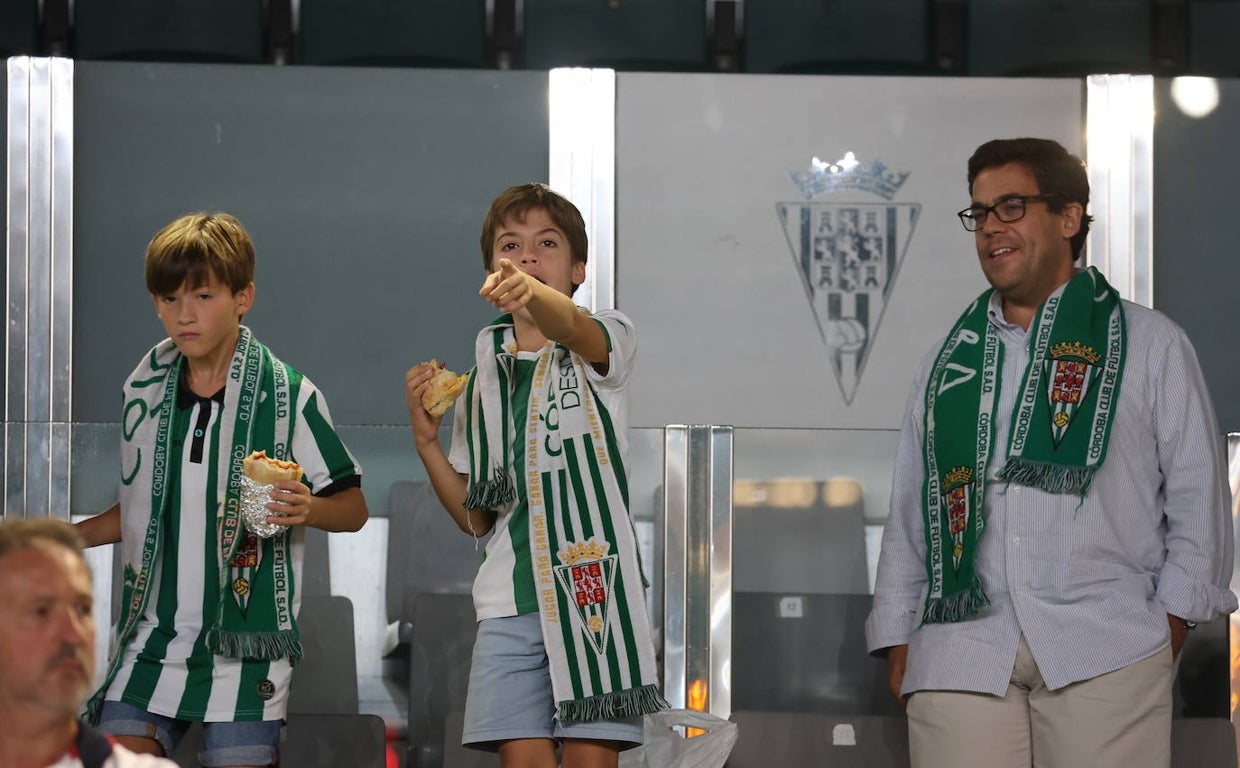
290, 503
430, 390
274, 488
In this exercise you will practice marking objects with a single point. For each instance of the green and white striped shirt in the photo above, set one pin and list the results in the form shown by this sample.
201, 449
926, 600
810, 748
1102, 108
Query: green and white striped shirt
167, 668
505, 582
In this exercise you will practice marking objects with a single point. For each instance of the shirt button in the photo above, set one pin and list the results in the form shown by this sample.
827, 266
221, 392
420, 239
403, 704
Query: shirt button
1020, 591
1016, 540
1016, 489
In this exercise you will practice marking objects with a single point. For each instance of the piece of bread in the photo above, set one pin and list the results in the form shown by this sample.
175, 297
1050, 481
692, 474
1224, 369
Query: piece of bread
263, 469
445, 388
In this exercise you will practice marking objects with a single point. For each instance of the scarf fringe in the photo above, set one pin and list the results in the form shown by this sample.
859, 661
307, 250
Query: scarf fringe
634, 702
491, 494
1052, 478
94, 707
956, 607
262, 646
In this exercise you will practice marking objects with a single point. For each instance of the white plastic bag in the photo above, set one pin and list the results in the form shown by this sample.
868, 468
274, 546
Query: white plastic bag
666, 746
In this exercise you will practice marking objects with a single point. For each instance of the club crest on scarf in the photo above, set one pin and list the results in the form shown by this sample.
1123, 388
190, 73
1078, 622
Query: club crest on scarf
245, 561
848, 254
1072, 372
587, 576
958, 501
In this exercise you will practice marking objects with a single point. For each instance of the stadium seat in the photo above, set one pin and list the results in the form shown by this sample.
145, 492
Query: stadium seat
1059, 39
426, 551
397, 33
1212, 38
1203, 742
456, 756
441, 645
844, 37
325, 680
223, 31
633, 35
19, 28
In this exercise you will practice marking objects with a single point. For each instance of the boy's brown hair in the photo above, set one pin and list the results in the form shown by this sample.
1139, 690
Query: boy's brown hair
515, 202
197, 247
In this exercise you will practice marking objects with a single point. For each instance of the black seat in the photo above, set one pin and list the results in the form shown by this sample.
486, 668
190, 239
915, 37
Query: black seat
805, 652
325, 680
224, 31
441, 647
427, 553
630, 35
1060, 39
19, 28
844, 37
427, 33
1202, 742
456, 756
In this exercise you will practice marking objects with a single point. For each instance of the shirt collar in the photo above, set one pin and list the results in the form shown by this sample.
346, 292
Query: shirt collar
188, 398
994, 308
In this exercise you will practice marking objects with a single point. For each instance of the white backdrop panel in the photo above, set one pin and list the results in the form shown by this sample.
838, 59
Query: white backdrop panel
817, 319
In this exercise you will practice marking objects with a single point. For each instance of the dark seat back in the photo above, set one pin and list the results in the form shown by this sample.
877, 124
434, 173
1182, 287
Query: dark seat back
426, 551
443, 630
325, 680
225, 31
427, 33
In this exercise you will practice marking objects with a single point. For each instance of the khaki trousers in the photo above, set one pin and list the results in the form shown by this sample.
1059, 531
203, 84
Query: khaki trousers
1118, 720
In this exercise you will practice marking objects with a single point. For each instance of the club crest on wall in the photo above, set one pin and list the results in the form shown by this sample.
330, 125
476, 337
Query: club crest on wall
848, 252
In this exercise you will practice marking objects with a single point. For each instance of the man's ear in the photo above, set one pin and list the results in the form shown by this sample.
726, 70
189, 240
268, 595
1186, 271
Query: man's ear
1072, 213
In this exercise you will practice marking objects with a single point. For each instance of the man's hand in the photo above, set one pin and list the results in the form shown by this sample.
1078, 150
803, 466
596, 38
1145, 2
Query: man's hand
1179, 633
897, 657
508, 289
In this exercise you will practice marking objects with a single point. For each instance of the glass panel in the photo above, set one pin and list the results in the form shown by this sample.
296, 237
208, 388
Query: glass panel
809, 506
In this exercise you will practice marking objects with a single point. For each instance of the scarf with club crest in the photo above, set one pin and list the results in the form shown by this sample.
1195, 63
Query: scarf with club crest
584, 550
258, 413
1061, 424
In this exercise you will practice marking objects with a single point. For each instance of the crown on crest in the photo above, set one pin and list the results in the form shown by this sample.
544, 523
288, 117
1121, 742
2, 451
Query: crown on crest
1075, 349
847, 174
583, 551
958, 476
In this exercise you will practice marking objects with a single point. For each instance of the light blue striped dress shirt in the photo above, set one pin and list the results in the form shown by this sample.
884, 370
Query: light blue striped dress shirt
1088, 584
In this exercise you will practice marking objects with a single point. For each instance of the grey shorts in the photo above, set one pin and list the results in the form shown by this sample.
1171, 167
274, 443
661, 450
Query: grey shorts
510, 692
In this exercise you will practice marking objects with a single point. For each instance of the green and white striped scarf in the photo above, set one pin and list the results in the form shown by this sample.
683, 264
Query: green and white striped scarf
258, 413
591, 592
1061, 424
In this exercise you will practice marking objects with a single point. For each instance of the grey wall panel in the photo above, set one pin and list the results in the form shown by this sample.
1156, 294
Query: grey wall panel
726, 187
364, 191
1196, 272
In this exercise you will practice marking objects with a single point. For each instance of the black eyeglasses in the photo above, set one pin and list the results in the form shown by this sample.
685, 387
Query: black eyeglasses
1007, 210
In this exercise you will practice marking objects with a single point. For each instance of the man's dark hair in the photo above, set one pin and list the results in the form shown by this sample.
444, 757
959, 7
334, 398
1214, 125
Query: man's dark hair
1057, 171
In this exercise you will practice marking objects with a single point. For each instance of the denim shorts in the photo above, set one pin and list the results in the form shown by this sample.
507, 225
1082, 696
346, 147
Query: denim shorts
510, 691
241, 743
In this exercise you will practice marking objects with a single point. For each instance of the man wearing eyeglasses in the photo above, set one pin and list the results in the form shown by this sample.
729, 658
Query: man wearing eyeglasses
1059, 515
